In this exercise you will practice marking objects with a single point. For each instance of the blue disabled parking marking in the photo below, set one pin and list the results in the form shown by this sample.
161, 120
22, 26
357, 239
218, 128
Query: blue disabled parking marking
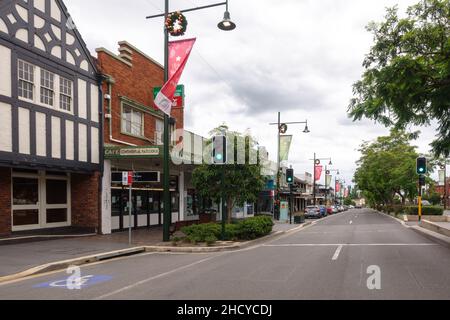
78, 283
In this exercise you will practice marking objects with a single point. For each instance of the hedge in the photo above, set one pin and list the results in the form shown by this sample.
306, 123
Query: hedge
248, 229
427, 211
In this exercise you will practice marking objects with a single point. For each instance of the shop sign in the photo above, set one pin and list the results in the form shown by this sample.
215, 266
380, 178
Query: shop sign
132, 152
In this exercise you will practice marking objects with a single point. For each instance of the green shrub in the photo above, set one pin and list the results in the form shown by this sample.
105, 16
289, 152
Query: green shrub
202, 232
248, 229
256, 227
427, 211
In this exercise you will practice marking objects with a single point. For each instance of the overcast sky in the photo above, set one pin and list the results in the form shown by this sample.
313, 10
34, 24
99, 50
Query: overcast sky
299, 57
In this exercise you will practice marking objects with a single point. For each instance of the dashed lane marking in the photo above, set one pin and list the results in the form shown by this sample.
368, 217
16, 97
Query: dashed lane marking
337, 253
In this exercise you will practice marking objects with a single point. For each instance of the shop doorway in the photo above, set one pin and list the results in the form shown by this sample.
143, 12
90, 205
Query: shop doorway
40, 200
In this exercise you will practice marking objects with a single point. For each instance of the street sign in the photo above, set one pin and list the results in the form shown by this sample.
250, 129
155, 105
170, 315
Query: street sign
178, 99
138, 177
125, 180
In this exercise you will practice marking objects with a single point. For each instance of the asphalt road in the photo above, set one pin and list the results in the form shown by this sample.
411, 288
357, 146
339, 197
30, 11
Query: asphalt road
333, 259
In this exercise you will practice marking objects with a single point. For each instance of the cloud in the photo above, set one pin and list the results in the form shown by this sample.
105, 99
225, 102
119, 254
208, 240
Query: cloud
299, 57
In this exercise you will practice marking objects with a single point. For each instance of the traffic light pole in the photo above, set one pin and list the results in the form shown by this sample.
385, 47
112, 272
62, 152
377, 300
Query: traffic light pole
224, 213
420, 199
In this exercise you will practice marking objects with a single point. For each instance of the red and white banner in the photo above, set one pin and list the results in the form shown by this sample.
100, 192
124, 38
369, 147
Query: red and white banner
346, 193
338, 187
318, 174
179, 52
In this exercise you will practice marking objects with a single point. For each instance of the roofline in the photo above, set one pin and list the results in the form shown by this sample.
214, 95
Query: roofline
141, 53
115, 56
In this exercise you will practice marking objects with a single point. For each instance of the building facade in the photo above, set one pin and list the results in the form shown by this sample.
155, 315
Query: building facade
50, 115
133, 141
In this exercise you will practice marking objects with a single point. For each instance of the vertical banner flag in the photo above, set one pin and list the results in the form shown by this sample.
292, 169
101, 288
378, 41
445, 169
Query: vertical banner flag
179, 52
285, 147
319, 170
338, 187
328, 181
346, 193
441, 177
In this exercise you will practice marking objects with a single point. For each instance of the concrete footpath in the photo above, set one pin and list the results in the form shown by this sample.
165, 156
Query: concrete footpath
26, 259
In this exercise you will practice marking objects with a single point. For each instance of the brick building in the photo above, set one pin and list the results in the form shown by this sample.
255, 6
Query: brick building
133, 141
441, 191
50, 159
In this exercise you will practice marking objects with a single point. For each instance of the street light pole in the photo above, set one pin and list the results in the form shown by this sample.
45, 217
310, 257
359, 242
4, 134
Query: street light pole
166, 169
317, 162
279, 128
227, 25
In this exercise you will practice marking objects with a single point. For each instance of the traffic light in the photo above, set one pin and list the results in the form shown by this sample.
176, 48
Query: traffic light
290, 176
422, 181
422, 165
219, 150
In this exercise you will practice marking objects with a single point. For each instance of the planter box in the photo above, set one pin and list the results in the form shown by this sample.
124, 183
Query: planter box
428, 218
299, 219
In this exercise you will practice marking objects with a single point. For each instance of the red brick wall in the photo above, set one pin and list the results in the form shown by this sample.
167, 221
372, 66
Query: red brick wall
136, 83
85, 201
5, 201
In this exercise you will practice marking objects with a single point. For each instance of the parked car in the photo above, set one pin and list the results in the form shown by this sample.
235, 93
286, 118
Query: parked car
312, 212
335, 209
330, 210
426, 203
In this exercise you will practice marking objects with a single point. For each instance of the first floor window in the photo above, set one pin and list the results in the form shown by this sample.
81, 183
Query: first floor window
159, 132
132, 121
47, 87
65, 94
26, 80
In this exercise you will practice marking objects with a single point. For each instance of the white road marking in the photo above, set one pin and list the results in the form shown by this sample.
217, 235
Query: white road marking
354, 245
351, 222
337, 253
152, 278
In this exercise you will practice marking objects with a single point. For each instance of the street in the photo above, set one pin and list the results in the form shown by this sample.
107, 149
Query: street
332, 259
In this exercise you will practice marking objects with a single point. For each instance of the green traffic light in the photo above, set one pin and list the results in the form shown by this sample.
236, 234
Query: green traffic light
219, 157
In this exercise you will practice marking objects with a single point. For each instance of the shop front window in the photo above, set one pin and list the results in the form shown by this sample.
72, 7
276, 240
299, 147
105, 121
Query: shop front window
56, 192
56, 215
25, 191
25, 217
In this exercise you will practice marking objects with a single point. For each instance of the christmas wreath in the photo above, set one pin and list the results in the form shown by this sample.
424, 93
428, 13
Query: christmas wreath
176, 24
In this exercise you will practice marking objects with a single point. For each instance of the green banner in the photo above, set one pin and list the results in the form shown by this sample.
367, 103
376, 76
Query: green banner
285, 147
328, 181
441, 177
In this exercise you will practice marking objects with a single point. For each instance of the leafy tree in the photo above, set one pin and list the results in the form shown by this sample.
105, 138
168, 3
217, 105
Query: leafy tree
243, 182
407, 77
387, 169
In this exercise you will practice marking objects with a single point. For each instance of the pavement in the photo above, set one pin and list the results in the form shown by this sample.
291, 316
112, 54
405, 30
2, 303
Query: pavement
360, 254
20, 258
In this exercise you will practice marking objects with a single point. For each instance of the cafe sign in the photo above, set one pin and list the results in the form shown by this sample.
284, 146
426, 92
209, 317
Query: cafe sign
132, 152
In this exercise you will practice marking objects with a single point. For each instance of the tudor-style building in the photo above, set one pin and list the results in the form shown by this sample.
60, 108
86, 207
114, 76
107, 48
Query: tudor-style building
50, 120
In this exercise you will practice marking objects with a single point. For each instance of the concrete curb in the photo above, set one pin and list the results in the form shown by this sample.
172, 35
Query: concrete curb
430, 235
433, 236
431, 226
61, 265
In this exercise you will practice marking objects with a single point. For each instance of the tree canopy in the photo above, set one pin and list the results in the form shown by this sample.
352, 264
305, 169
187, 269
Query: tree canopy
242, 182
387, 169
407, 76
